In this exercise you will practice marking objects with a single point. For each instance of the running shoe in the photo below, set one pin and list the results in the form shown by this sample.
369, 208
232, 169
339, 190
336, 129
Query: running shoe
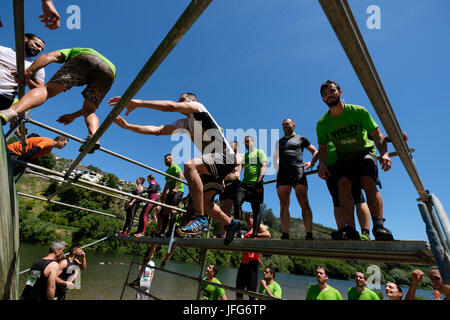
309, 236
95, 147
364, 237
138, 235
381, 233
199, 225
231, 230
346, 233
7, 115
285, 236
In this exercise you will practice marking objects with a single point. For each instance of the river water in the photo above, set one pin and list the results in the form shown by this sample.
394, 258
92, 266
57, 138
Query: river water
105, 281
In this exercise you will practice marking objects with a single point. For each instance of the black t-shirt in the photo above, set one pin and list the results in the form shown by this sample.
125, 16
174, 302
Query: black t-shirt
291, 152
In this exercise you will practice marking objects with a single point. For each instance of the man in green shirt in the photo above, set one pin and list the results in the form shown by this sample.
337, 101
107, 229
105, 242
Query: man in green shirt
211, 292
322, 291
251, 188
347, 127
361, 292
171, 195
82, 66
268, 285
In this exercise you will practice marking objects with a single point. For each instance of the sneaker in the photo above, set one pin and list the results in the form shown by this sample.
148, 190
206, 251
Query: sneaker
381, 233
346, 233
364, 237
138, 235
199, 225
7, 115
351, 232
285, 236
95, 147
231, 230
309, 236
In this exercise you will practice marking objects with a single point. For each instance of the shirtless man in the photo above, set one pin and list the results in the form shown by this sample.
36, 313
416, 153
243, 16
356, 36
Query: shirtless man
230, 185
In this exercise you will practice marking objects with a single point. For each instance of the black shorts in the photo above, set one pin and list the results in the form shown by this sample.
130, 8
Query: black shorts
219, 165
364, 165
291, 177
247, 277
229, 193
332, 185
174, 199
5, 103
86, 69
247, 192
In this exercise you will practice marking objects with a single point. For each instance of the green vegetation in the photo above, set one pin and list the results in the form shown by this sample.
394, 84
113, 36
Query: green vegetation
42, 222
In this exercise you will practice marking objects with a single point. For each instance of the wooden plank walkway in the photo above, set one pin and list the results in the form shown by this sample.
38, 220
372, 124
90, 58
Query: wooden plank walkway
406, 252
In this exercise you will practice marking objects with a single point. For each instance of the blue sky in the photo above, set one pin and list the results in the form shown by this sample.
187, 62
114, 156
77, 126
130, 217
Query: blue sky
253, 63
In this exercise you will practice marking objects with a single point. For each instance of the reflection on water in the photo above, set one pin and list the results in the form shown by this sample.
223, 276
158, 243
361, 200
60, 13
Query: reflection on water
105, 282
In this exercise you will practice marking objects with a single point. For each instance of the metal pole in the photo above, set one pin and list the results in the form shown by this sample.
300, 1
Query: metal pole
103, 149
186, 20
202, 259
442, 257
30, 165
443, 218
67, 205
341, 19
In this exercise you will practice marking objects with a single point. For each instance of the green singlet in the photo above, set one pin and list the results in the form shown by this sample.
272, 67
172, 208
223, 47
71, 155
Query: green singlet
73, 52
274, 289
210, 292
348, 132
367, 294
173, 171
253, 163
314, 293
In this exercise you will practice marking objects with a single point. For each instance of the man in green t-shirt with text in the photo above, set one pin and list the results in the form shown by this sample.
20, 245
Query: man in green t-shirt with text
82, 66
322, 290
361, 292
251, 188
347, 127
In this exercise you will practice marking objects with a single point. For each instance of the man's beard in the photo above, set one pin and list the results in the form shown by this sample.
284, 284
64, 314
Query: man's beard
334, 103
29, 52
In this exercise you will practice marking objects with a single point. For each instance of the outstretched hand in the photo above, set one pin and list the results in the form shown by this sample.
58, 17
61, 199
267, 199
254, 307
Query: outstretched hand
120, 122
66, 118
130, 106
50, 15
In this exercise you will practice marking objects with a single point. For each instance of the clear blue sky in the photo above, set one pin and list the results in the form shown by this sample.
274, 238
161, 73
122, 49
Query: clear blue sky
253, 63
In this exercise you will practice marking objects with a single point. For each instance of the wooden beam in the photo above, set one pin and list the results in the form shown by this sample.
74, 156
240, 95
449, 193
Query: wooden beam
407, 252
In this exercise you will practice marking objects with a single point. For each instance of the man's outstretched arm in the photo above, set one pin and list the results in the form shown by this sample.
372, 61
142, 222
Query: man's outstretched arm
160, 105
147, 129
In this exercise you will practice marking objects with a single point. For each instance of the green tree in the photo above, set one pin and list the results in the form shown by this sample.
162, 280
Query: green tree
110, 180
47, 161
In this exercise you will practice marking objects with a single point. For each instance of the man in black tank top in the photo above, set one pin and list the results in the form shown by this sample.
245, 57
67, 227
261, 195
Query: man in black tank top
291, 174
69, 269
41, 281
